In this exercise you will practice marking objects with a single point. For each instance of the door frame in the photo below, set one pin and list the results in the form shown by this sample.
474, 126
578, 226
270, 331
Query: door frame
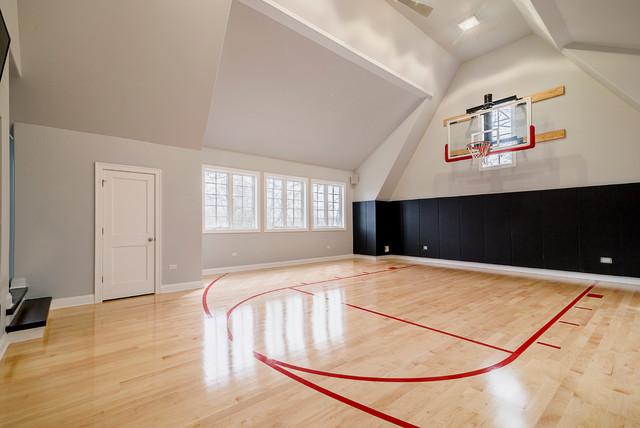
100, 167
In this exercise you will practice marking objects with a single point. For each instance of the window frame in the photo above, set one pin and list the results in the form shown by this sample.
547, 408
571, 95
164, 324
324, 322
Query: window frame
256, 194
343, 204
305, 202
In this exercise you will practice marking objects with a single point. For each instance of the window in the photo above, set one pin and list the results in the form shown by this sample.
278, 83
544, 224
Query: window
285, 203
328, 205
501, 130
230, 200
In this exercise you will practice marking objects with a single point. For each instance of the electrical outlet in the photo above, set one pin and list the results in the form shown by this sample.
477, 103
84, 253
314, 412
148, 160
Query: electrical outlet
328, 247
386, 248
173, 267
607, 260
234, 254
424, 247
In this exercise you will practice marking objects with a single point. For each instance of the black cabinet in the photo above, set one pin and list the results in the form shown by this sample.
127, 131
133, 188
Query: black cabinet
526, 229
472, 229
429, 228
600, 227
560, 221
449, 228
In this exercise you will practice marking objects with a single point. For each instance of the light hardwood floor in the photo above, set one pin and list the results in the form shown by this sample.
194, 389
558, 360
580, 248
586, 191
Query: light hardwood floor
353, 343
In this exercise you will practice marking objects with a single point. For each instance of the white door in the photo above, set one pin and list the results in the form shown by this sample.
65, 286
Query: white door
129, 242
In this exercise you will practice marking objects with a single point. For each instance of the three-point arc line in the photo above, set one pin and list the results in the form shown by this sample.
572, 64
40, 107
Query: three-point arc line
280, 366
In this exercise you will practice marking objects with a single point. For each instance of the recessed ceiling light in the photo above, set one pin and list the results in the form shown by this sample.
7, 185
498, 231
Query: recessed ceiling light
469, 23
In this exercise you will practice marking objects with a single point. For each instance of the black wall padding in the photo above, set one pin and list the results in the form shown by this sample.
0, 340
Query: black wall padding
630, 228
449, 228
429, 228
359, 228
411, 228
526, 229
497, 228
371, 227
560, 222
472, 233
560, 229
600, 227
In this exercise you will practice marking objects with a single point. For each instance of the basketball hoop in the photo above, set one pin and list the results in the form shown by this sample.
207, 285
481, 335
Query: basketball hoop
479, 149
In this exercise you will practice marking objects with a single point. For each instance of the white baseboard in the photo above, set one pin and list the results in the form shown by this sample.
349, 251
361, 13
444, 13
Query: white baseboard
181, 286
241, 268
373, 258
515, 269
22, 335
4, 343
67, 302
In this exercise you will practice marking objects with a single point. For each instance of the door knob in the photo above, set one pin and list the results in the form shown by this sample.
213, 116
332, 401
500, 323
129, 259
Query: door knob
150, 239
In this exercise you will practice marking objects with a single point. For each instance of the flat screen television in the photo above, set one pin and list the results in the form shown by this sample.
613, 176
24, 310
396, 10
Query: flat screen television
5, 40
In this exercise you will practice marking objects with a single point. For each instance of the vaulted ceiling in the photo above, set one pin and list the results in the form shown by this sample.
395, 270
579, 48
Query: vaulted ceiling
326, 85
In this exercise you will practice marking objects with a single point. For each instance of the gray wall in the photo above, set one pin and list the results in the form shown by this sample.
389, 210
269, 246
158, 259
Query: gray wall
266, 247
54, 228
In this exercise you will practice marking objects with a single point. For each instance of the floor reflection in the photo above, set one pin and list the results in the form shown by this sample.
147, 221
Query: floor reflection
223, 358
513, 398
276, 326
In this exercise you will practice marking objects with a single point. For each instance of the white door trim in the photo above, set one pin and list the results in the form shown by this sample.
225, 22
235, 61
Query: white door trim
100, 168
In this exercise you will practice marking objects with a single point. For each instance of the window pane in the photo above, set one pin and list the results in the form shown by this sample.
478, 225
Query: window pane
244, 208
274, 203
216, 214
229, 200
295, 204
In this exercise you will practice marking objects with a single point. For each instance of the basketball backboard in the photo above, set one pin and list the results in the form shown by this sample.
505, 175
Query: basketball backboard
506, 126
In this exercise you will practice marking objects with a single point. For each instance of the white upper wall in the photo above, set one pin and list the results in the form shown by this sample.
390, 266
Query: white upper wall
600, 147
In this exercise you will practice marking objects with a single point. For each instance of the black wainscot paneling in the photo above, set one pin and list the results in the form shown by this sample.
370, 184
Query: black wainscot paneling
630, 229
600, 228
429, 228
497, 228
560, 223
449, 228
371, 227
359, 228
387, 227
472, 229
410, 228
526, 229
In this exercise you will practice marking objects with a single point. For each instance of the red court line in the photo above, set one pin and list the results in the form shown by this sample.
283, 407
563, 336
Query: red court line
206, 291
333, 395
546, 344
570, 323
415, 324
498, 365
587, 309
277, 365
597, 296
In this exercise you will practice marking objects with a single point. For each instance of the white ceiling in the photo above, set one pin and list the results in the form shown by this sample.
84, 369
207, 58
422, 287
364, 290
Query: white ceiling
592, 24
500, 24
145, 70
281, 95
